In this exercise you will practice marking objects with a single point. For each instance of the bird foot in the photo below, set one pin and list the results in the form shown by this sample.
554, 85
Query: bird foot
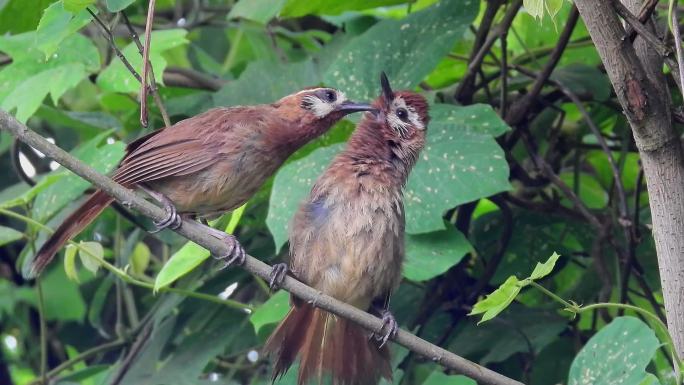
172, 220
277, 275
236, 254
388, 329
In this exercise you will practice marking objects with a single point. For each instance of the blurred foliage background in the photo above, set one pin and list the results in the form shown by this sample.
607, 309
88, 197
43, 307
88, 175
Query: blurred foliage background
512, 172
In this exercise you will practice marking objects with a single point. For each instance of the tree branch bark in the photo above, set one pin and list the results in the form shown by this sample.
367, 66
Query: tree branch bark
195, 232
638, 83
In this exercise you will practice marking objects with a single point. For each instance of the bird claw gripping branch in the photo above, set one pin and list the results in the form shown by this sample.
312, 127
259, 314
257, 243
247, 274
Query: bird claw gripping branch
277, 275
389, 328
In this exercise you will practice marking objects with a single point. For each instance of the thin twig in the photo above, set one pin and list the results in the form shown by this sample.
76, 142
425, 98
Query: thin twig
645, 13
146, 64
197, 233
153, 81
108, 34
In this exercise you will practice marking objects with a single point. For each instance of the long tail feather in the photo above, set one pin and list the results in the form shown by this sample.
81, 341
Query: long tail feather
71, 226
328, 347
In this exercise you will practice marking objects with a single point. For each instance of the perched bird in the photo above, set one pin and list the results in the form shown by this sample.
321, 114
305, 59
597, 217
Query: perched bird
213, 162
347, 240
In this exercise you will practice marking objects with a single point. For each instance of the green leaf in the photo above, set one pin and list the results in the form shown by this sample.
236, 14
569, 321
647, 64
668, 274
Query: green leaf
63, 300
534, 7
429, 255
461, 162
584, 80
117, 78
30, 77
407, 49
498, 300
31, 193
541, 270
298, 8
261, 11
69, 187
591, 192
265, 81
190, 256
8, 235
439, 378
617, 354
17, 16
140, 258
70, 262
89, 253
77, 5
57, 24
181, 262
271, 311
118, 5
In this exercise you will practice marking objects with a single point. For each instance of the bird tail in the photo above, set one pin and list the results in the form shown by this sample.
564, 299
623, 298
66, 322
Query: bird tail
330, 348
71, 226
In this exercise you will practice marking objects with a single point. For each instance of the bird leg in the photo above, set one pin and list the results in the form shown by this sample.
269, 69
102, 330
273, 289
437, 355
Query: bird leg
236, 254
389, 327
277, 275
172, 220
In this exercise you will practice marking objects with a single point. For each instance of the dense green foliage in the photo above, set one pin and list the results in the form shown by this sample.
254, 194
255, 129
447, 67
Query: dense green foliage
490, 198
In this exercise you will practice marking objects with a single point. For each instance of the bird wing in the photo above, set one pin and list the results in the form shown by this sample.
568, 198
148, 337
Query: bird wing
184, 148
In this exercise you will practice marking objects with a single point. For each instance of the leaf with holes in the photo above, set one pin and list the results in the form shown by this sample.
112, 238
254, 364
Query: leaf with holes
617, 354
407, 49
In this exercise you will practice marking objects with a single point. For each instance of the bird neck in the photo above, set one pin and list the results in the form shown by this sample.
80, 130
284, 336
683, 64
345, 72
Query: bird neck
289, 135
368, 145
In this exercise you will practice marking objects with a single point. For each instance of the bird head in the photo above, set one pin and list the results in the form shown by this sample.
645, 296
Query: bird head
314, 105
403, 119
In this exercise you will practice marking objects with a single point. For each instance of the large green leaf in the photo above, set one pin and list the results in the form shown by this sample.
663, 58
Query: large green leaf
261, 11
297, 8
439, 378
461, 162
271, 311
407, 50
102, 157
8, 234
63, 300
429, 255
617, 354
118, 5
56, 25
30, 77
117, 78
16, 16
265, 81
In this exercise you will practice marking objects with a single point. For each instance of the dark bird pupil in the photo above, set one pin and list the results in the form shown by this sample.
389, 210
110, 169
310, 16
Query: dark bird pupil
402, 114
330, 96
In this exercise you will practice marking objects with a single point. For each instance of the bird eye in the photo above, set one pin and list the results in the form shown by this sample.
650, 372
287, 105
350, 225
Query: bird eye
402, 114
330, 96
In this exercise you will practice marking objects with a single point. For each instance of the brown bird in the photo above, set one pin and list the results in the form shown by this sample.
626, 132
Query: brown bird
213, 162
347, 240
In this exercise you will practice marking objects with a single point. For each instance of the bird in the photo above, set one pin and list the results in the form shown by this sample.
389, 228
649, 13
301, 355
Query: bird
347, 241
211, 163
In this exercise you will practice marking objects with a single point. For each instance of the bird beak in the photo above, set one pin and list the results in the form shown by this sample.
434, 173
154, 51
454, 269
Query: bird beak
386, 89
349, 107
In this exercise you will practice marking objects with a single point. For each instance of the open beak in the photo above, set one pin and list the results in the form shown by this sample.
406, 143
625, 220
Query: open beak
349, 107
386, 89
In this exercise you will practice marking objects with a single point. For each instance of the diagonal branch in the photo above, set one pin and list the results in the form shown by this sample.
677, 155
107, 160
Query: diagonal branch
196, 233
